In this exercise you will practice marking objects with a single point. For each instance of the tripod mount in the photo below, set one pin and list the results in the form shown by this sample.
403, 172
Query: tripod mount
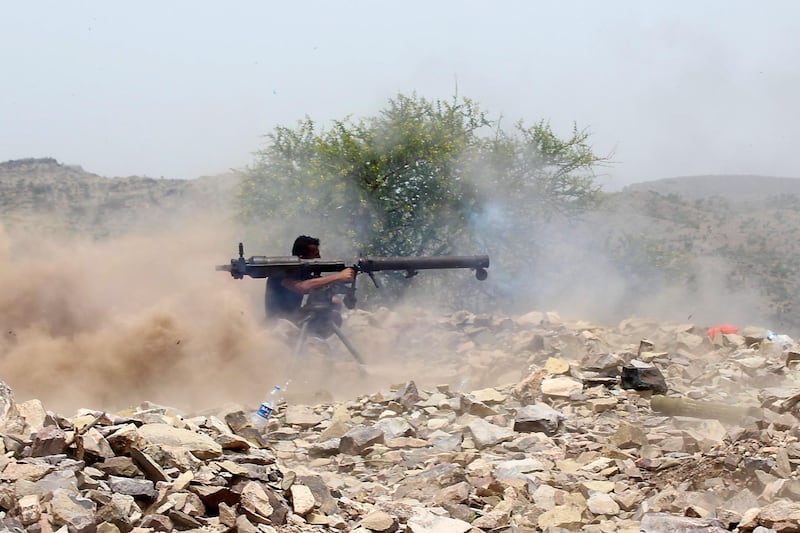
319, 316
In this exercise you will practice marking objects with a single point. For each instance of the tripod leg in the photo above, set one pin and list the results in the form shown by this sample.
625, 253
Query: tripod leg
348, 344
301, 339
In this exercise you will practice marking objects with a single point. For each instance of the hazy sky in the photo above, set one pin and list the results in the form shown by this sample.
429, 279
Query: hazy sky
182, 89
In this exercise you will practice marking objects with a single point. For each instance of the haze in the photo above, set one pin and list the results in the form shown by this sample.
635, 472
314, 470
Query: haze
185, 89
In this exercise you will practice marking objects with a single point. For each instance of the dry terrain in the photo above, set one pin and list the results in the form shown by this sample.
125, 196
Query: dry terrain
130, 369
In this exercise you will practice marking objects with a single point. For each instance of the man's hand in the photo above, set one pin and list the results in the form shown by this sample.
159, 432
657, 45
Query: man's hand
347, 275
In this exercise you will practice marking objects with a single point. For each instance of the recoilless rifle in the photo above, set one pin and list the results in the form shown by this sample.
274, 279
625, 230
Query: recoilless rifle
318, 309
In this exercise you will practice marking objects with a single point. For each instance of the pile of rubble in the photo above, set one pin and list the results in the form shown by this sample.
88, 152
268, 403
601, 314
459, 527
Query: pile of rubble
641, 427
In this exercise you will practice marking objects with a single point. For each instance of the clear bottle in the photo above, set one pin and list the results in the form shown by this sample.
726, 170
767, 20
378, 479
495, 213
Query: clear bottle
260, 417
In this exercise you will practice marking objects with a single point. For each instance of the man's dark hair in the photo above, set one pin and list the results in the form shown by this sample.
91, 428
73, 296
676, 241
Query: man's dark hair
301, 244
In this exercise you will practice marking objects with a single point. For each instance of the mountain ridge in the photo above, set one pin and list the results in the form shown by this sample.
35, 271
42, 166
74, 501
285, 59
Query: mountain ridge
43, 194
735, 187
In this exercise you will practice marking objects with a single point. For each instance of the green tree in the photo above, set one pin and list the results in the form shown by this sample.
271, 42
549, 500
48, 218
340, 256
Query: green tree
389, 183
533, 169
528, 177
420, 177
408, 179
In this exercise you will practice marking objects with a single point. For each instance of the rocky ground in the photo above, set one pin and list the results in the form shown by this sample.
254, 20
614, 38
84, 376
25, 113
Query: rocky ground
573, 427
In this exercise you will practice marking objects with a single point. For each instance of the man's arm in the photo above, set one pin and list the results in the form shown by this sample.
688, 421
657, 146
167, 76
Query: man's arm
305, 286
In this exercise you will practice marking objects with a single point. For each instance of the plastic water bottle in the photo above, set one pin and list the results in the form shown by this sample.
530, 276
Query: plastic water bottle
785, 341
260, 417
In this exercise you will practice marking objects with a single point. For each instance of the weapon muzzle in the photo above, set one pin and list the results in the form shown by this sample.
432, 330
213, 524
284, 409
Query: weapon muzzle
413, 264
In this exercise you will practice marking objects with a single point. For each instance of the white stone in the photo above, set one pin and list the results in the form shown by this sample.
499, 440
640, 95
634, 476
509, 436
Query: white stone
302, 499
561, 386
602, 503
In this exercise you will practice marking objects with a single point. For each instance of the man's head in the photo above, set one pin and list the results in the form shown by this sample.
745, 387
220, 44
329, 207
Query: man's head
306, 247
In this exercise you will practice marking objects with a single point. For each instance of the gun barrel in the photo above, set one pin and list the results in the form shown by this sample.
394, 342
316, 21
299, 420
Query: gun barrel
261, 266
375, 264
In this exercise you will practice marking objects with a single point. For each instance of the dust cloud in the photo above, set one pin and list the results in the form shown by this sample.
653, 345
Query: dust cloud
144, 317
566, 265
109, 324
575, 275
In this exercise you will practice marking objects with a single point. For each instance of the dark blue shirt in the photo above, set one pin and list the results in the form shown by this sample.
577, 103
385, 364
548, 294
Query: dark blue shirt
280, 301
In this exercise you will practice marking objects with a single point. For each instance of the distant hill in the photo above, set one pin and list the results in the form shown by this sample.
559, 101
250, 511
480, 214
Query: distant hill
45, 196
732, 188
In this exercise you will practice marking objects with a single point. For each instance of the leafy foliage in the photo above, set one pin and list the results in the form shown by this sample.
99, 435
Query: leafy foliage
420, 177
535, 171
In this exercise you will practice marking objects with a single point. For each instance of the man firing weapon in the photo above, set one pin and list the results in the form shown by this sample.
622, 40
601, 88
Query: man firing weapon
291, 279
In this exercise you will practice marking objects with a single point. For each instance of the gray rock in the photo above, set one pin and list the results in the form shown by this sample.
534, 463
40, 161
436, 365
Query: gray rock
408, 395
51, 440
516, 468
119, 466
301, 415
667, 523
138, 488
395, 427
359, 438
426, 522
537, 418
325, 501
643, 378
65, 480
325, 448
151, 469
29, 509
256, 503
157, 522
6, 403
119, 510
161, 435
485, 434
73, 511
